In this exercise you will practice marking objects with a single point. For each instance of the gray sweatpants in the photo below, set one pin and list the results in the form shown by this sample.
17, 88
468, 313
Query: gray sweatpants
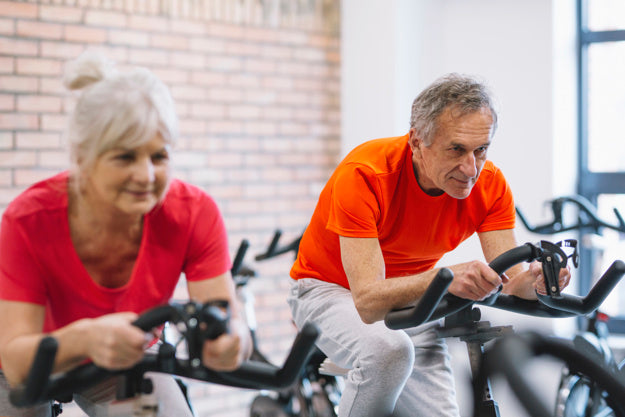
392, 372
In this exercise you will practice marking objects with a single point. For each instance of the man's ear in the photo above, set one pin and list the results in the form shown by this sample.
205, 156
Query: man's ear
413, 140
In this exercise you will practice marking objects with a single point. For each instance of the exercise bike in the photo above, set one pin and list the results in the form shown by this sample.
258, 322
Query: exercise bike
313, 394
579, 396
462, 320
134, 397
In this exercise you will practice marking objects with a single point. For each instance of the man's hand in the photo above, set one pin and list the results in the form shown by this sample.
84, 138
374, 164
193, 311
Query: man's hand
536, 269
475, 280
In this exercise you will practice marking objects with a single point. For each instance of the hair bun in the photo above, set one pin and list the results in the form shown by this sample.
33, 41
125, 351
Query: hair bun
87, 69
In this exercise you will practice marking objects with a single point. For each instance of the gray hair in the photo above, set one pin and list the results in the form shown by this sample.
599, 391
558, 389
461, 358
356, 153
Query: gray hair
115, 109
458, 92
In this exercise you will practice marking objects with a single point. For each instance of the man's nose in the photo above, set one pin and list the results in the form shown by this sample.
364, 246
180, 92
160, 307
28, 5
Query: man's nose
468, 166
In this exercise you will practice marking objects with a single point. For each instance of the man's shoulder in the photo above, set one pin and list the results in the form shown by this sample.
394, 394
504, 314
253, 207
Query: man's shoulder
380, 156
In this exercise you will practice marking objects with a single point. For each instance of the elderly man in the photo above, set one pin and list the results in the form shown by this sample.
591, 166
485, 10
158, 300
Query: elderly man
390, 211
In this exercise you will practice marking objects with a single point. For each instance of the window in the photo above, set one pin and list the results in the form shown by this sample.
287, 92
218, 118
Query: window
601, 161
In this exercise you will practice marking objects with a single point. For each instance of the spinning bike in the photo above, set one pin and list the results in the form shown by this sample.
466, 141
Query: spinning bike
579, 396
462, 319
134, 397
313, 394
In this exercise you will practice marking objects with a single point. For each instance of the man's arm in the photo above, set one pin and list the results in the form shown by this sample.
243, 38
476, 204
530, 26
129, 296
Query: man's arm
374, 295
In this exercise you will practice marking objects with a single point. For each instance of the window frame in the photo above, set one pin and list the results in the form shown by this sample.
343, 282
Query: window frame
592, 184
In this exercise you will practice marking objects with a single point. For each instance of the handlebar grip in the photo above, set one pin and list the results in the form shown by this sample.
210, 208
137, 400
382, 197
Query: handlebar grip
155, 317
261, 375
32, 391
596, 296
409, 317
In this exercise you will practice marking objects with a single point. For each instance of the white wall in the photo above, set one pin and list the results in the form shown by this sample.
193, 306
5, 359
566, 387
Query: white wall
524, 50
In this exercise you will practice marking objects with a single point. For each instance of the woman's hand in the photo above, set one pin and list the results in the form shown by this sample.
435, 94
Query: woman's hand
228, 351
113, 342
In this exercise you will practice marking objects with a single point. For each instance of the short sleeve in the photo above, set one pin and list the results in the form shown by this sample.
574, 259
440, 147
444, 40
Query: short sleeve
354, 207
20, 276
501, 214
207, 255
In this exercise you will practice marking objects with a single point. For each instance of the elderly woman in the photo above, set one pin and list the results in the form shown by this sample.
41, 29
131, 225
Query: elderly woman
83, 252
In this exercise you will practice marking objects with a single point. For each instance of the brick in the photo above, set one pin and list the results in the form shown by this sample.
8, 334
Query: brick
37, 140
148, 57
227, 95
51, 86
39, 104
18, 84
53, 159
129, 37
224, 63
105, 18
17, 47
6, 140
207, 44
166, 41
208, 78
219, 30
36, 29
8, 194
172, 76
208, 110
262, 66
38, 66
6, 178
7, 27
16, 121
188, 93
17, 159
53, 122
7, 65
7, 102
60, 50
85, 34
244, 112
148, 23
187, 60
26, 177
188, 27
18, 9
60, 13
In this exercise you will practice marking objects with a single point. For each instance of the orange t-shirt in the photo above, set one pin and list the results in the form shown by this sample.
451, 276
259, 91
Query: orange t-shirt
373, 193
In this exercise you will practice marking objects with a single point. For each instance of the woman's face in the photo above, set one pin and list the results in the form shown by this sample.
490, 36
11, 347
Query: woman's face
131, 181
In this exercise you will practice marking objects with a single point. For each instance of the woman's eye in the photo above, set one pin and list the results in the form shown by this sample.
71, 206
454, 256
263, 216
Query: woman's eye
125, 157
160, 157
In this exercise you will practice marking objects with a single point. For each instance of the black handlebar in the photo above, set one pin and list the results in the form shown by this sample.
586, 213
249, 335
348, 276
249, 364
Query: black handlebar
201, 321
274, 250
587, 217
553, 305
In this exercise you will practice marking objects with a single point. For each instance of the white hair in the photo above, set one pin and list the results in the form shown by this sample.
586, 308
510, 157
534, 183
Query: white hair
115, 109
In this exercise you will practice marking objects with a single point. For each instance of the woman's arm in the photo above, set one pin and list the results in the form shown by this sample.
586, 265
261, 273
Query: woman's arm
111, 341
228, 351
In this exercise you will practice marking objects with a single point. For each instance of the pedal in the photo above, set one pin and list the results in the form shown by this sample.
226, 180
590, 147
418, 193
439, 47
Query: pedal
329, 368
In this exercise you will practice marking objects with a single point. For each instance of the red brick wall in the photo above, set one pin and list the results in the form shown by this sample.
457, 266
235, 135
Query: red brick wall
257, 91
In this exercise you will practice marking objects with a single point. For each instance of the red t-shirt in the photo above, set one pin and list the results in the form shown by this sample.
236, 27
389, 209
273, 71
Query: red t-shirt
38, 262
373, 193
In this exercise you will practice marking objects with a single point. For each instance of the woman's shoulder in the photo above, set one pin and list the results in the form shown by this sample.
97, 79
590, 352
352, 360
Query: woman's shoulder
47, 195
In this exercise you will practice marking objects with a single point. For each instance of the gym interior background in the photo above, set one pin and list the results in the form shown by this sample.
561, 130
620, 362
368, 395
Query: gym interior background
271, 94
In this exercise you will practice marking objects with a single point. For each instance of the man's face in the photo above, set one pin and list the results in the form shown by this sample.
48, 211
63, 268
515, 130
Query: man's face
454, 160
